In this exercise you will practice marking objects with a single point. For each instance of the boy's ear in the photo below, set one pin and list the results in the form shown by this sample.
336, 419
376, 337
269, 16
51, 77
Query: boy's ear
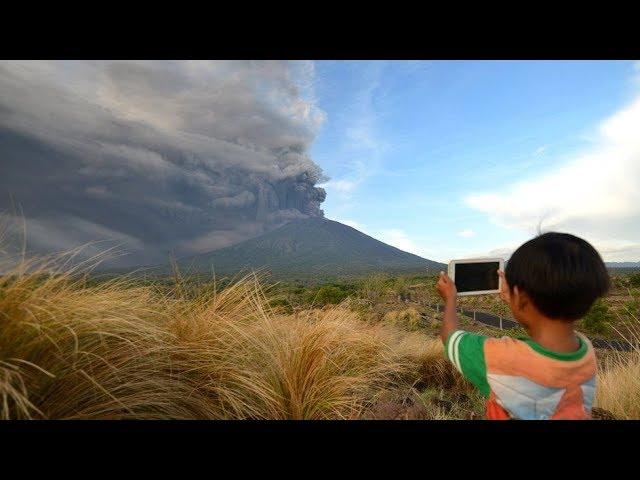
520, 298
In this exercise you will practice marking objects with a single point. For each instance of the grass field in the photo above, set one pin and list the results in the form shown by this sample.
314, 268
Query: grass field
73, 347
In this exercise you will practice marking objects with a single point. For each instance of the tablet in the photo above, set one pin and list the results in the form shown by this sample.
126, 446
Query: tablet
476, 276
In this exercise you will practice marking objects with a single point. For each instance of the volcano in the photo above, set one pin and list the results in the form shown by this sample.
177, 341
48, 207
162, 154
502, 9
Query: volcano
311, 247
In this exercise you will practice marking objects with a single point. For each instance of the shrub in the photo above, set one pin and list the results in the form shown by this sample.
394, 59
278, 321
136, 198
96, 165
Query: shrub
632, 306
598, 317
401, 288
634, 280
330, 295
374, 287
281, 305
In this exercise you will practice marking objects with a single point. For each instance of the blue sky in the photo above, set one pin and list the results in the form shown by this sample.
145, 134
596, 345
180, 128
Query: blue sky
445, 159
449, 159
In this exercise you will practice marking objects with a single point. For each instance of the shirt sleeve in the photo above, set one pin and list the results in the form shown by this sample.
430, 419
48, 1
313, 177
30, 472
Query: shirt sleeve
466, 351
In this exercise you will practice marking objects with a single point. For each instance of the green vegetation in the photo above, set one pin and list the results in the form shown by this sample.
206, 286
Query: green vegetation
401, 289
330, 295
598, 318
374, 287
632, 306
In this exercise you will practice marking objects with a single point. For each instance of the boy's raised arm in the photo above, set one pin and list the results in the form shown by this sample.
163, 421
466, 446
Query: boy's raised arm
447, 290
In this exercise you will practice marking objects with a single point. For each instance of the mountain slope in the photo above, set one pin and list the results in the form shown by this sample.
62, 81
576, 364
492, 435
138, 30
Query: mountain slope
312, 247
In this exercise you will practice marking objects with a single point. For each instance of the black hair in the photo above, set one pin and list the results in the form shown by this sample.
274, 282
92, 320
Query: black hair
562, 274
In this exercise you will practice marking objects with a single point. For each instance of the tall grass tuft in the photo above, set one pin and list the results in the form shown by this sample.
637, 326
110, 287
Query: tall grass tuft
70, 349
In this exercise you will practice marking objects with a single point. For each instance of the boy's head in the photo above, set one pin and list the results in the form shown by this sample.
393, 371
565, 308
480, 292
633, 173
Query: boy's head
560, 274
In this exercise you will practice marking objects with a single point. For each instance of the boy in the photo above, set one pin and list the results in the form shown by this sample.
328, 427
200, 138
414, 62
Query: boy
549, 283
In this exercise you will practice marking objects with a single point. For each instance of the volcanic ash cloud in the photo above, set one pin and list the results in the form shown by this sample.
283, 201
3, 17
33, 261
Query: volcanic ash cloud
156, 156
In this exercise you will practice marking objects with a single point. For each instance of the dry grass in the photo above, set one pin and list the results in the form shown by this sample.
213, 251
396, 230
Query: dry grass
618, 382
408, 318
118, 350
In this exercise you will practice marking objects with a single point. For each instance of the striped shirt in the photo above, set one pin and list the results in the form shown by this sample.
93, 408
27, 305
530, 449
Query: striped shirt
523, 380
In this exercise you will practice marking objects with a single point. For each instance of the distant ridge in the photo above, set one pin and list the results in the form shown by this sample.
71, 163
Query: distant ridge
623, 264
312, 247
622, 267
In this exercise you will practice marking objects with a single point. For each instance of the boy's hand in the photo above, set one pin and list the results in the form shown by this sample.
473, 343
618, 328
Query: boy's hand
448, 291
446, 288
504, 287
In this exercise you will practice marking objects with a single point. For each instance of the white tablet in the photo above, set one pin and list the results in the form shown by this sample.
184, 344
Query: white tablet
476, 276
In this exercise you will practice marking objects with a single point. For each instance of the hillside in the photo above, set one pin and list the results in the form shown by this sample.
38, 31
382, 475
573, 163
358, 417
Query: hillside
309, 248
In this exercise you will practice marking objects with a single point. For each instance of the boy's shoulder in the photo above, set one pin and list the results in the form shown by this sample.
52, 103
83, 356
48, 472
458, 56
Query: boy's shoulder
506, 342
516, 345
527, 347
524, 357
515, 355
482, 344
507, 346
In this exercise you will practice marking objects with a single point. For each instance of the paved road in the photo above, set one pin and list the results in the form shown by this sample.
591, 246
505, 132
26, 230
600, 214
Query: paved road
505, 323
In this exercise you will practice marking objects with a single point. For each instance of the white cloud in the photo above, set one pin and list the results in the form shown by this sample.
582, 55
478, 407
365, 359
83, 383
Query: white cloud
503, 251
540, 150
352, 223
467, 233
396, 237
342, 186
611, 250
399, 239
595, 195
